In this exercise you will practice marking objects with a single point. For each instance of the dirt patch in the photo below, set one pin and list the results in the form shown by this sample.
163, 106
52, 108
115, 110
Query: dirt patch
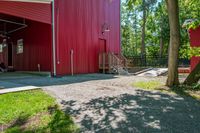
25, 122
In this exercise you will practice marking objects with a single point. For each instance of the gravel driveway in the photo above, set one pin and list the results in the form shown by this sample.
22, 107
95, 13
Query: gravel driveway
100, 103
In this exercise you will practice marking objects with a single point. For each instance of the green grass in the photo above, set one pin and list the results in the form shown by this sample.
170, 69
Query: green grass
148, 85
33, 111
13, 105
191, 91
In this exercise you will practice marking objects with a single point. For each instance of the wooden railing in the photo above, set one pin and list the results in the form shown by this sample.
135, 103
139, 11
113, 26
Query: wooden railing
123, 59
108, 62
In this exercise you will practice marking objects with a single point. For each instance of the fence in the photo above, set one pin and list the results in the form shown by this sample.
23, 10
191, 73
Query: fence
152, 61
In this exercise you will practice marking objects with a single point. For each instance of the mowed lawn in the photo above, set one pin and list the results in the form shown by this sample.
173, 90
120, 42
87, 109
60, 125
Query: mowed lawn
33, 111
191, 91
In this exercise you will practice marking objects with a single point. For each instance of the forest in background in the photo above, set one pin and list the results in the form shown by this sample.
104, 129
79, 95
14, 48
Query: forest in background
145, 27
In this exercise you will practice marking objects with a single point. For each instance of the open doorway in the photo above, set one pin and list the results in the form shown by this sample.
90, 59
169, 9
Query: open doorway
102, 45
10, 55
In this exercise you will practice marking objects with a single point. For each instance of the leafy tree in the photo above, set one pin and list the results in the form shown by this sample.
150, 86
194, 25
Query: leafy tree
152, 28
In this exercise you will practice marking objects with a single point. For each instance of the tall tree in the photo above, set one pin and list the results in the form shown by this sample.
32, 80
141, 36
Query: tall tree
144, 18
173, 12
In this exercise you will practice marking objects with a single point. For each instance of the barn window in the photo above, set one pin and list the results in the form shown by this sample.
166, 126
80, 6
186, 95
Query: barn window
1, 48
20, 46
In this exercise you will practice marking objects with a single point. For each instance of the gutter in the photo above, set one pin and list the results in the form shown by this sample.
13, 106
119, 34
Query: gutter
53, 38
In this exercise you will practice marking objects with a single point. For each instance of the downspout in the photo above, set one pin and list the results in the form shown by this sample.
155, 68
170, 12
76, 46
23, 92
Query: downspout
120, 18
53, 38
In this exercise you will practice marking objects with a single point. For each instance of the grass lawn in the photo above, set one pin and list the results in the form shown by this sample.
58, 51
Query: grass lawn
192, 91
33, 111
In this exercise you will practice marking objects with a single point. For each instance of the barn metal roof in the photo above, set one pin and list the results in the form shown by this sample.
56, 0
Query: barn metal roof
34, 1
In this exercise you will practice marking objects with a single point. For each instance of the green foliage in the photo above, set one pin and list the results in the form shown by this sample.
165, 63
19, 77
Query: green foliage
187, 52
153, 50
157, 26
194, 51
193, 25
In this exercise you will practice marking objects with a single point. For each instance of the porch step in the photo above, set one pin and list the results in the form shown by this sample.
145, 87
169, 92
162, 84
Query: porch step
142, 71
122, 71
154, 72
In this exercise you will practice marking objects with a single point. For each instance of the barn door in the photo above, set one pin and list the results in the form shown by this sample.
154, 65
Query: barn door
102, 46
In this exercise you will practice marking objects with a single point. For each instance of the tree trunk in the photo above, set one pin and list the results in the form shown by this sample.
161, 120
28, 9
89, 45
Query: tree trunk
173, 12
161, 47
161, 43
143, 49
136, 36
194, 76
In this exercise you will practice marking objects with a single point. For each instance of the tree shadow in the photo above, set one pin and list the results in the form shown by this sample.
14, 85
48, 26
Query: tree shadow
143, 112
59, 123
192, 91
41, 81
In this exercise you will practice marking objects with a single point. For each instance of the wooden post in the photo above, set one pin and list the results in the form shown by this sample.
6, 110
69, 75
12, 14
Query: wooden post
99, 61
72, 62
104, 62
109, 63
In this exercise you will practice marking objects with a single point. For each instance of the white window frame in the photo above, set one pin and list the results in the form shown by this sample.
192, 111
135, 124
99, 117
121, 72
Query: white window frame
20, 46
1, 48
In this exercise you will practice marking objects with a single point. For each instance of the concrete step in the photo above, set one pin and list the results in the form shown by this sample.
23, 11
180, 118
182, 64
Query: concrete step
154, 72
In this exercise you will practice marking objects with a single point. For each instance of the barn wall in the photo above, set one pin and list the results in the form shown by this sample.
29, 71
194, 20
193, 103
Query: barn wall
194, 61
34, 11
79, 28
195, 37
195, 42
37, 47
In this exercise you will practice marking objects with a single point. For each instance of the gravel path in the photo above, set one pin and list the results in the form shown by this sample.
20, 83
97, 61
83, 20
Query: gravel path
100, 103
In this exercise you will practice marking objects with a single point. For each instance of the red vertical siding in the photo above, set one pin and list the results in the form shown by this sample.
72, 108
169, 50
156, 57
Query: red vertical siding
195, 37
195, 42
34, 11
79, 27
194, 61
37, 47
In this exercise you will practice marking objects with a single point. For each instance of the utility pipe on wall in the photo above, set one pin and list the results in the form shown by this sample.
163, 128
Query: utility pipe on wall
53, 38
38, 67
72, 61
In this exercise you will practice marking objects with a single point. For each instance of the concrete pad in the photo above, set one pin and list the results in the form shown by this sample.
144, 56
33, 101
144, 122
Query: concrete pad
18, 89
154, 72
7, 85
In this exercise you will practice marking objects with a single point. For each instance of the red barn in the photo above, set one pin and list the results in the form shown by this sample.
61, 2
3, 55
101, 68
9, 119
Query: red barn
58, 36
195, 42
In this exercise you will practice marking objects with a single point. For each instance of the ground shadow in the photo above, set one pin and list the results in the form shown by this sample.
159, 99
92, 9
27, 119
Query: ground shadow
59, 123
144, 112
33, 80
